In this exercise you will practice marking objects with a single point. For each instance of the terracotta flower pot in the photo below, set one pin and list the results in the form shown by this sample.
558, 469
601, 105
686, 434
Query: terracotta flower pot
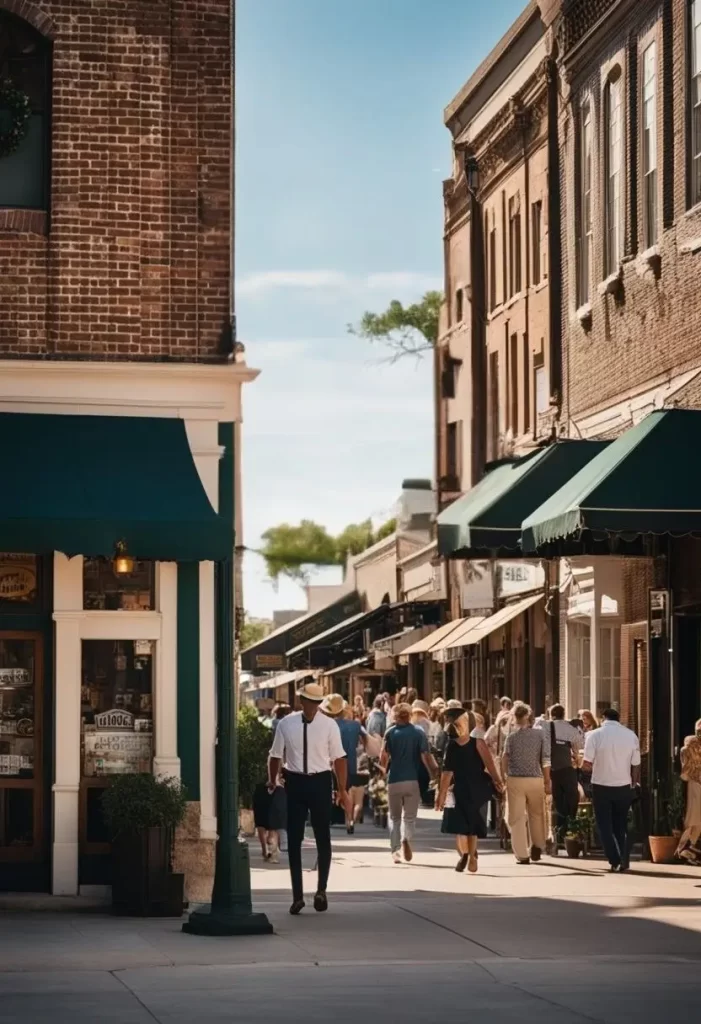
663, 848
574, 847
247, 822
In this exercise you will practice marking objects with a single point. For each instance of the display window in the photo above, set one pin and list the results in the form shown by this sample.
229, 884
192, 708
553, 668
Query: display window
106, 590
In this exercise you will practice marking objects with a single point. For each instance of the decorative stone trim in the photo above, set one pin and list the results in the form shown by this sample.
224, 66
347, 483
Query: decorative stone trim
611, 285
33, 14
649, 263
24, 222
584, 315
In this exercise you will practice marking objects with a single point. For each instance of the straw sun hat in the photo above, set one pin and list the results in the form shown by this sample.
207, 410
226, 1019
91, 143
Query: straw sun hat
311, 691
333, 704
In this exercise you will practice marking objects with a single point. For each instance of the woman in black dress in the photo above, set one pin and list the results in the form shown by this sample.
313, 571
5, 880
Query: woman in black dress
469, 768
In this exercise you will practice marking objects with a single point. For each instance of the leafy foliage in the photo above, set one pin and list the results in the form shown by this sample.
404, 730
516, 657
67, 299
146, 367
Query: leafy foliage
291, 550
405, 330
136, 802
252, 633
254, 741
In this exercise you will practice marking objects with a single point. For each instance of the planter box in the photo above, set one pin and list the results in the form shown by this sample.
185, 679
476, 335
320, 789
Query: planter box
142, 882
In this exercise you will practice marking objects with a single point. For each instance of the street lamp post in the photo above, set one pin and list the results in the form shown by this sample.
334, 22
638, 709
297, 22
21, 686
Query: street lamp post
231, 911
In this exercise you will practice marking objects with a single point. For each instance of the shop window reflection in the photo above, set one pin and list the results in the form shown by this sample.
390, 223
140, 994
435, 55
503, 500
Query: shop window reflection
117, 707
104, 590
17, 708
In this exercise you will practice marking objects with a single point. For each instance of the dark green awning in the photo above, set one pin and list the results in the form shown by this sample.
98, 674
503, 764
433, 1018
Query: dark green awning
80, 484
644, 482
488, 518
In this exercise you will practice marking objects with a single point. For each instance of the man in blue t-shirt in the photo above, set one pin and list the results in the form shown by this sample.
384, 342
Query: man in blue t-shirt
353, 735
405, 748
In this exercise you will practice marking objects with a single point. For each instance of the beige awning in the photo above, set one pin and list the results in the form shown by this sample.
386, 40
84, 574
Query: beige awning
348, 667
451, 639
469, 635
426, 643
278, 681
391, 646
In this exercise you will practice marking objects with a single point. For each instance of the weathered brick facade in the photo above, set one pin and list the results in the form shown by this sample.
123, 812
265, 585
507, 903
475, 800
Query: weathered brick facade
131, 260
643, 331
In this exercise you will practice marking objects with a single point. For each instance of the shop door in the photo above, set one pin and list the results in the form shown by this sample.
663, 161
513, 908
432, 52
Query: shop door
688, 667
24, 861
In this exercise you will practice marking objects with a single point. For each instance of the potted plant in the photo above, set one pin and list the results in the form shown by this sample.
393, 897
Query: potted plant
576, 836
377, 789
142, 813
254, 741
663, 845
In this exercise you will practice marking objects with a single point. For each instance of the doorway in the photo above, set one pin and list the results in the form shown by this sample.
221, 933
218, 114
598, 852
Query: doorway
688, 669
24, 860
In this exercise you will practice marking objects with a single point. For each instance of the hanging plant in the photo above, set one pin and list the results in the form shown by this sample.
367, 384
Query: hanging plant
15, 103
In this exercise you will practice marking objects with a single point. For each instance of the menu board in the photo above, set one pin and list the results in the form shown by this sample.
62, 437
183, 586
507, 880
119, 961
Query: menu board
116, 752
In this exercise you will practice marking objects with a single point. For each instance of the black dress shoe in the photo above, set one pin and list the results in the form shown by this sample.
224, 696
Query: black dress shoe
462, 863
297, 907
614, 868
523, 860
535, 854
321, 902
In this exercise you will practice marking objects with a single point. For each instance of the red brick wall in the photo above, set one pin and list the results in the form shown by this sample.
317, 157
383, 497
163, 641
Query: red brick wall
651, 328
136, 264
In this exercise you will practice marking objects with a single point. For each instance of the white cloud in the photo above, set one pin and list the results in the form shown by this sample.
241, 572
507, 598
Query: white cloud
334, 282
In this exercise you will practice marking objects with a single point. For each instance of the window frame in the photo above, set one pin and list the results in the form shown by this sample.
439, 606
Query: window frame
649, 174
613, 256
46, 44
515, 246
585, 188
693, 123
536, 243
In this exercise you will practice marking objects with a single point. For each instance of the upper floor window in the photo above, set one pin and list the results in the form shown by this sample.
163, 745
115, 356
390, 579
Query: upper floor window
536, 241
514, 246
492, 268
459, 313
613, 156
695, 100
24, 160
586, 228
649, 145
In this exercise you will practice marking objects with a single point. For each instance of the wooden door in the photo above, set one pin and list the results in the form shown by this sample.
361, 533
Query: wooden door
22, 838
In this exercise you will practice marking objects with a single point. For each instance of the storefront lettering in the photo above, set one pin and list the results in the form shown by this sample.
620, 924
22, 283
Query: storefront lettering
115, 719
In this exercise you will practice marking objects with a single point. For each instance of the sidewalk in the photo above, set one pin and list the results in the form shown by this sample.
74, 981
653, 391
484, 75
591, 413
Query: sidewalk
569, 928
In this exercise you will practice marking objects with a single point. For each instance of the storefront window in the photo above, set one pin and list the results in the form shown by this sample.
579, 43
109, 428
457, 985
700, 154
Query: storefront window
17, 708
117, 707
580, 665
609, 683
19, 581
104, 590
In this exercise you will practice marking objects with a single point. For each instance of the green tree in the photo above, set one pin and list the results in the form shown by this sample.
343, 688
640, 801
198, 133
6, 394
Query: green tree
292, 551
405, 330
253, 632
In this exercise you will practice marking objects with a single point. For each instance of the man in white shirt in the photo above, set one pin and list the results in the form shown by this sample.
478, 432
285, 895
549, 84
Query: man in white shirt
612, 755
305, 745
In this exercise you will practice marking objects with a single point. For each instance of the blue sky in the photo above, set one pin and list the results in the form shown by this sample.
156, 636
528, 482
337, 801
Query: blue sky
341, 155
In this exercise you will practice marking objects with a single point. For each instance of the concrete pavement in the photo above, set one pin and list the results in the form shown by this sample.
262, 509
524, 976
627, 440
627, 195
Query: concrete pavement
560, 937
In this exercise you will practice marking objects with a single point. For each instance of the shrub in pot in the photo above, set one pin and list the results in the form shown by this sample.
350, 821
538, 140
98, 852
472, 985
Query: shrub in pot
142, 813
254, 742
664, 843
576, 836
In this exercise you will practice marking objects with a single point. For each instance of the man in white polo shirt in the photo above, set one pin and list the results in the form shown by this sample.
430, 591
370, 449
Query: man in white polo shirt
306, 744
612, 755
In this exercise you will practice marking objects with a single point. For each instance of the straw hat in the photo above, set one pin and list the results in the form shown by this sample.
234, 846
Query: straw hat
333, 704
454, 705
420, 707
438, 704
312, 691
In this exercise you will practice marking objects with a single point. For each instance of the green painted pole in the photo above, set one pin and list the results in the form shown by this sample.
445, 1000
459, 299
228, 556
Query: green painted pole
231, 912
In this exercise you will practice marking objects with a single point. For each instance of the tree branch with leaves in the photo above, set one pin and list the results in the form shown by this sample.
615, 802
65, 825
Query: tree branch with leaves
404, 330
293, 551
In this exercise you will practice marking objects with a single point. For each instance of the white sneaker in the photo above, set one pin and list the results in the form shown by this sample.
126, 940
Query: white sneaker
397, 857
274, 855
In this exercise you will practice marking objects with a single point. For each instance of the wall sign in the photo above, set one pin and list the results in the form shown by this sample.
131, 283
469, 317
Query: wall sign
115, 719
18, 577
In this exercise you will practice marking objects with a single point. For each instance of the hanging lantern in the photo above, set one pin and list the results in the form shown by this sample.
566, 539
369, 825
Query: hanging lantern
122, 563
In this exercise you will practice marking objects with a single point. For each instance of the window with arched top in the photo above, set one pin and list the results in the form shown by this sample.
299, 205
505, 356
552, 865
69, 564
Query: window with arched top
25, 62
613, 164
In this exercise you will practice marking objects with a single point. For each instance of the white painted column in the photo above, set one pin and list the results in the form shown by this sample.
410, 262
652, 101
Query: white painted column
165, 699
68, 605
208, 704
595, 621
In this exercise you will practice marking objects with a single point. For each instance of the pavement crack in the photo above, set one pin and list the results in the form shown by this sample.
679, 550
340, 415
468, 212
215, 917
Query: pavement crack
541, 998
446, 928
132, 993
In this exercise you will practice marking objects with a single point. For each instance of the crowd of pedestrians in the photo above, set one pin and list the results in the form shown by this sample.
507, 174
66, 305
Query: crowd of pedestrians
525, 777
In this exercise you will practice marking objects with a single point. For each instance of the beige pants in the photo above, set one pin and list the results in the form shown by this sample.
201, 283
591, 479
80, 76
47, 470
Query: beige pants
525, 813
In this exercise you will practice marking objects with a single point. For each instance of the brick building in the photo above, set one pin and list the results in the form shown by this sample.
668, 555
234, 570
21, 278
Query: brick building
498, 353
620, 147
120, 383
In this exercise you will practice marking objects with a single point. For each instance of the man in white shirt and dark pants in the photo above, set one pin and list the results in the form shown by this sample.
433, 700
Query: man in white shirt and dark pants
305, 745
612, 755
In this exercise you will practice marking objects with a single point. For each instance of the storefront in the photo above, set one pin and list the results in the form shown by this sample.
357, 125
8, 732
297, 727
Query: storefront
116, 545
